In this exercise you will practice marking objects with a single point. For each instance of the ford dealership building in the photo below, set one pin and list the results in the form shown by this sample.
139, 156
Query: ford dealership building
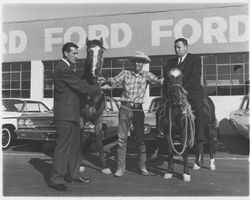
219, 34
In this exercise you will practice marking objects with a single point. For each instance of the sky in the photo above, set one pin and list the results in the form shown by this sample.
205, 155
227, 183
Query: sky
14, 11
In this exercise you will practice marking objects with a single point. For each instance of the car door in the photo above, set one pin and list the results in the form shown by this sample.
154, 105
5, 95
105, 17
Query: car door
242, 117
110, 119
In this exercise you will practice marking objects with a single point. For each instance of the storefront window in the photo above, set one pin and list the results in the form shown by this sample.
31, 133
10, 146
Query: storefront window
16, 80
49, 66
229, 74
48, 86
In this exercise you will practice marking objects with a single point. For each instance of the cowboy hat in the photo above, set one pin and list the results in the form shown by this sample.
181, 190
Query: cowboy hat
139, 55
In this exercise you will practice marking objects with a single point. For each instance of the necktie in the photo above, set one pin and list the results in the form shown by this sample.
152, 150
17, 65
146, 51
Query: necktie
179, 60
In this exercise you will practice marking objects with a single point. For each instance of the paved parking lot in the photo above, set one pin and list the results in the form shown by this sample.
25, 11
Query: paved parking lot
25, 173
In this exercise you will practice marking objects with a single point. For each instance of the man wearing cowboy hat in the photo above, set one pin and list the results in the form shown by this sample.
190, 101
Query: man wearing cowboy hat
134, 84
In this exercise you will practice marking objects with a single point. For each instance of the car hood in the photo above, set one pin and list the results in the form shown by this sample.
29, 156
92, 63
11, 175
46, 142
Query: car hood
150, 119
38, 115
6, 114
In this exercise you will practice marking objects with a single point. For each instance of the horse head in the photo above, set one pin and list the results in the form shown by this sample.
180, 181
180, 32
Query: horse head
94, 57
176, 93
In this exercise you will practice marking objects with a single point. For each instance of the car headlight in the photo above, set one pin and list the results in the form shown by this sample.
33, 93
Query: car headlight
25, 122
147, 129
20, 122
28, 122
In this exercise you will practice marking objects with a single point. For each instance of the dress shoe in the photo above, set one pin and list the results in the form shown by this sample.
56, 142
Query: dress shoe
81, 180
77, 180
60, 187
147, 173
119, 173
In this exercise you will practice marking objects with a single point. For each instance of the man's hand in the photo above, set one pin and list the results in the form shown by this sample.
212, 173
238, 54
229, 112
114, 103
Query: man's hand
101, 81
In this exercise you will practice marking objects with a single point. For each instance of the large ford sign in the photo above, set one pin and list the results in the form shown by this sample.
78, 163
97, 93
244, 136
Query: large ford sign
208, 31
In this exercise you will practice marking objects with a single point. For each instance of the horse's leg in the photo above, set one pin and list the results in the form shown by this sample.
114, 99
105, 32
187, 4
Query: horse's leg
199, 155
184, 130
186, 175
169, 172
99, 141
212, 146
199, 146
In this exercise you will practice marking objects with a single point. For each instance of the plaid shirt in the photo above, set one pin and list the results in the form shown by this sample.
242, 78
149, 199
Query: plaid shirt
134, 85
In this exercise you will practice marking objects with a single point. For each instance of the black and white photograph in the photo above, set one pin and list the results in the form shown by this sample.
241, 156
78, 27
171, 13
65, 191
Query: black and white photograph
132, 99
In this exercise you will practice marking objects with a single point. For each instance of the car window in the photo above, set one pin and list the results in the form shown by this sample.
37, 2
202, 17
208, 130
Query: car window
12, 105
18, 106
109, 106
3, 108
245, 104
154, 104
43, 108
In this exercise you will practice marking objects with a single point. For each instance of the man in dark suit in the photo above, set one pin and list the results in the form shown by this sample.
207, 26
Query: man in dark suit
190, 65
67, 90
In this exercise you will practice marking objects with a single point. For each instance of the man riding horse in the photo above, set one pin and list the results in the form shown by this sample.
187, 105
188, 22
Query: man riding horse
190, 66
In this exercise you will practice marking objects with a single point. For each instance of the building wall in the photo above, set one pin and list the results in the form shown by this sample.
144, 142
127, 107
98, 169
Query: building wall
211, 30
208, 30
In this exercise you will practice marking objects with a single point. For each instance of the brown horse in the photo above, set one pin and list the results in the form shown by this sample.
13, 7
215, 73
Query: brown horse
92, 107
211, 133
176, 120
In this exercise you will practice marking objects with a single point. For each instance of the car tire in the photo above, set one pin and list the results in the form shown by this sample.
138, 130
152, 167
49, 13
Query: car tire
7, 137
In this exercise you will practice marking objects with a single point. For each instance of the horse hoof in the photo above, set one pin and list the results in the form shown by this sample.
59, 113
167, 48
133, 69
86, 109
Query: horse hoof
186, 178
106, 171
82, 169
212, 167
167, 176
196, 167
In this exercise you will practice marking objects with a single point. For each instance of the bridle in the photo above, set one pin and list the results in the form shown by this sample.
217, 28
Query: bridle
183, 93
91, 56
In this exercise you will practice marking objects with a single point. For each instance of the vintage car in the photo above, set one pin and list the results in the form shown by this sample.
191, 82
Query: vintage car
40, 127
11, 110
239, 119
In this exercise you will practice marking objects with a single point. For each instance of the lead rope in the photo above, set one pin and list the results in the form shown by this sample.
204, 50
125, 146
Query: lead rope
170, 134
189, 119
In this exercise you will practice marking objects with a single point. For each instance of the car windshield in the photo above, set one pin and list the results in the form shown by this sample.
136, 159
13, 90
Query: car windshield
12, 105
154, 105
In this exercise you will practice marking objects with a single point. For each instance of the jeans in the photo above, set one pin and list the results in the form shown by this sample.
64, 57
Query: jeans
126, 117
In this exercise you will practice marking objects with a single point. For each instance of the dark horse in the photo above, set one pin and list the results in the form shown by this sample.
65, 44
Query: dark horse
176, 120
211, 133
92, 107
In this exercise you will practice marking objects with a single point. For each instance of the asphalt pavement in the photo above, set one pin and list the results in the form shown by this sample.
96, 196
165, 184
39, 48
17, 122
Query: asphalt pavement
25, 174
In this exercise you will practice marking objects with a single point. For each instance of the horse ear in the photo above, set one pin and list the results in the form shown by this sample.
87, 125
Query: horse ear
87, 41
101, 41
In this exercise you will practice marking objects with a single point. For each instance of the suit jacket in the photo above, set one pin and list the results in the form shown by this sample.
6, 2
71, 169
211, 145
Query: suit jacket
67, 90
191, 69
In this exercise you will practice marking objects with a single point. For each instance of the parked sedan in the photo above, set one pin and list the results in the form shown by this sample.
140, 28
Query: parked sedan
41, 126
11, 110
239, 119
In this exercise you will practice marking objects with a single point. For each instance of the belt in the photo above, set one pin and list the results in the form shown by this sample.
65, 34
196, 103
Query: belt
131, 105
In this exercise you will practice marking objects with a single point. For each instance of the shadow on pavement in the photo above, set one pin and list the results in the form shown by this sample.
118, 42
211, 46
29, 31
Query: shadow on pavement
42, 166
